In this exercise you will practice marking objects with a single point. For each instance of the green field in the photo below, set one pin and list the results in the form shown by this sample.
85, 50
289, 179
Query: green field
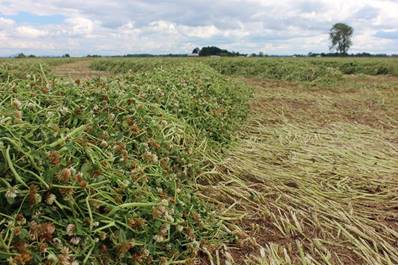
291, 69
199, 161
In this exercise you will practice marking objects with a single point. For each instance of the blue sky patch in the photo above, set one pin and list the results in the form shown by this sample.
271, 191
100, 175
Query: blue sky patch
32, 19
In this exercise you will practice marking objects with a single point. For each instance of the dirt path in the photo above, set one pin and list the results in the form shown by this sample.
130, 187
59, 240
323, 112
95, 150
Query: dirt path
78, 70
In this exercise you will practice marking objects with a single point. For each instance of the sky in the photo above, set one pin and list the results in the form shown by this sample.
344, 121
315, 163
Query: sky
81, 27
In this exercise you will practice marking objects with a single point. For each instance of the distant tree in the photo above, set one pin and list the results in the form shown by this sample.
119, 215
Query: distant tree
66, 55
20, 55
340, 36
212, 50
196, 51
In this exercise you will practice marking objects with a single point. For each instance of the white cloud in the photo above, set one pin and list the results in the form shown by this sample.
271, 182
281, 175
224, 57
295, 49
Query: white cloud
200, 31
79, 26
128, 26
5, 22
30, 32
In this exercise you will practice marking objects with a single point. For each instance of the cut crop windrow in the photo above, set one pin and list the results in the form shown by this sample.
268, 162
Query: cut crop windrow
102, 171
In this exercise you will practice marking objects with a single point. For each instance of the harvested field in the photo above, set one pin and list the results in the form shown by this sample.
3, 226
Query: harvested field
206, 161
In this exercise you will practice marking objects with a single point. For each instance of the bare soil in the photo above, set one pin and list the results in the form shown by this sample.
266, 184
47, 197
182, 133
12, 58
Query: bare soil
78, 70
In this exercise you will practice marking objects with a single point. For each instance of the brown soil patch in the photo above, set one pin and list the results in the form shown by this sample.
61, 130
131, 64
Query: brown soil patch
79, 70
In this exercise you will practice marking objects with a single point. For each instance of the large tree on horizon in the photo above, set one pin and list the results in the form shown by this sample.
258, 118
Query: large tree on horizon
340, 36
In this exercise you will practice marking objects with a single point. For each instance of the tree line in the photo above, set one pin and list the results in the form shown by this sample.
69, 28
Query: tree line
340, 37
214, 51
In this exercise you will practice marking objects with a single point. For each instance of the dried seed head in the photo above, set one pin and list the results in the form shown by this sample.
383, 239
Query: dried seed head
83, 184
190, 233
43, 231
196, 217
150, 157
102, 235
159, 238
67, 194
65, 251
105, 135
75, 240
135, 129
104, 144
70, 229
168, 217
33, 196
164, 163
164, 230
45, 90
164, 202
51, 199
158, 212
123, 248
136, 223
30, 105
64, 110
119, 147
163, 261
17, 104
18, 115
152, 143
64, 175
17, 231
11, 194
20, 218
125, 155
65, 258
54, 157
43, 247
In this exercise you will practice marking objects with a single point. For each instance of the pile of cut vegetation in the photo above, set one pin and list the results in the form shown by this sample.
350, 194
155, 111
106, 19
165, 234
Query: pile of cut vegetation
11, 70
101, 172
362, 66
270, 68
279, 69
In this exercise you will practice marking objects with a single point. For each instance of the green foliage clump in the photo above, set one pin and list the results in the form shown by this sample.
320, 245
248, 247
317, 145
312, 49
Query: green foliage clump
22, 69
280, 69
368, 67
101, 171
289, 69
205, 99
